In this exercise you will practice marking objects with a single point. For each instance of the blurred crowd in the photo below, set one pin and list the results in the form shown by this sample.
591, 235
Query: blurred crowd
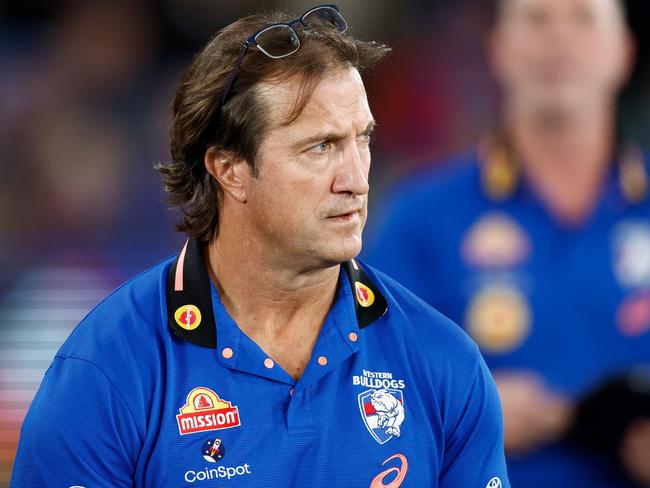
85, 99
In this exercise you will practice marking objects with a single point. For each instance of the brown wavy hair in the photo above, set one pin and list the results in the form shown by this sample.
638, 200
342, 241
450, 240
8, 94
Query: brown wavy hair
243, 120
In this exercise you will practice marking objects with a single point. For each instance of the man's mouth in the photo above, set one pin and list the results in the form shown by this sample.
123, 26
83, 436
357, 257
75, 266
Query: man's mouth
346, 215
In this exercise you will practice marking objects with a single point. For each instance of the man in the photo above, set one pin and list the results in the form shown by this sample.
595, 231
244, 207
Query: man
264, 354
540, 243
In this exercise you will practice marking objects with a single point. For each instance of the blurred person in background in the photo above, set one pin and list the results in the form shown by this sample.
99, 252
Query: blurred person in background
78, 199
74, 101
539, 245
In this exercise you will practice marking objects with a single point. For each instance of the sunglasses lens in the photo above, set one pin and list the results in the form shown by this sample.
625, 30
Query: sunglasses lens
325, 16
278, 41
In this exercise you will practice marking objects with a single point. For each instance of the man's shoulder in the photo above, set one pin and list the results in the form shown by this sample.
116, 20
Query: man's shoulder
438, 181
420, 326
131, 316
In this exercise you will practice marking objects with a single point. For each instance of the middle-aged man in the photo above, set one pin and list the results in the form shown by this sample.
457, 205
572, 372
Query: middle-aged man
539, 245
264, 354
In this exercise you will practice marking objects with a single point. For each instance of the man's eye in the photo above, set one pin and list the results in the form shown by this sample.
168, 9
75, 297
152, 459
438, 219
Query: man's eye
321, 147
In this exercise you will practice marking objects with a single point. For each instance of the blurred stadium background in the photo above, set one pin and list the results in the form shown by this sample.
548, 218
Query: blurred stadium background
85, 95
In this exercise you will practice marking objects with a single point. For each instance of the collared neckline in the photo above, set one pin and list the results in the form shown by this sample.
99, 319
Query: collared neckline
501, 171
189, 297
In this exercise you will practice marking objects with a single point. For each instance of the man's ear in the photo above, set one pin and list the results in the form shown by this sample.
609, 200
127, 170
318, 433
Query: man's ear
496, 54
631, 50
231, 171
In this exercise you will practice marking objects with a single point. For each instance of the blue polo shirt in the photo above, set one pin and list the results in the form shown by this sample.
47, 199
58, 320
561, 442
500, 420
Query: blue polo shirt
158, 386
571, 304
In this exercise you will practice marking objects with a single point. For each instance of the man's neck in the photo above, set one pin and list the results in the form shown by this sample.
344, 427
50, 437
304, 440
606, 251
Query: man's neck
282, 308
565, 162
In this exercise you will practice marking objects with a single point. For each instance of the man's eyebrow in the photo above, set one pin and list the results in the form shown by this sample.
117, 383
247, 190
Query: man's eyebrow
322, 136
333, 136
371, 127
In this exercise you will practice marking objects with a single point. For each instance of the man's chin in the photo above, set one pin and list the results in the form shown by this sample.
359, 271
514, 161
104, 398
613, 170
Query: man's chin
559, 105
344, 251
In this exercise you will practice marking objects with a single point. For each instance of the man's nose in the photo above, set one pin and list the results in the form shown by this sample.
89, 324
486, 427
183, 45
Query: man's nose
352, 175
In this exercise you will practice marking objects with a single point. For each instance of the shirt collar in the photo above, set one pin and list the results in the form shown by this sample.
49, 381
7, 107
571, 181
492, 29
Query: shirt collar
501, 172
190, 309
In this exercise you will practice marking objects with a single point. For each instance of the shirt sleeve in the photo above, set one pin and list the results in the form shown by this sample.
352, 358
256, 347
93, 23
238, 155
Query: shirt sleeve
78, 431
474, 455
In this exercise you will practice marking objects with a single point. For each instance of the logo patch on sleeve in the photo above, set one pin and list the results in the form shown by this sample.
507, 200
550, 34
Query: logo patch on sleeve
494, 483
631, 250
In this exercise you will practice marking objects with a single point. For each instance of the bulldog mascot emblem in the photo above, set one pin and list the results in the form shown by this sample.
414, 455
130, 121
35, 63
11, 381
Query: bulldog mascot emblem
383, 413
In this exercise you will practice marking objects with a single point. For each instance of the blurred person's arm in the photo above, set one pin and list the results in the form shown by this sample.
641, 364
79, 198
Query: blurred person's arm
78, 432
635, 451
533, 415
613, 419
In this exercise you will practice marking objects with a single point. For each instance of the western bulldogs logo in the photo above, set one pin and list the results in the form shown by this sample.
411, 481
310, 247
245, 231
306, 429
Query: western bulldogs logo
382, 412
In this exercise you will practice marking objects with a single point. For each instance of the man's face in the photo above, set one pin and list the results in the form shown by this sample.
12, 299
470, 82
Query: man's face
561, 55
309, 202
